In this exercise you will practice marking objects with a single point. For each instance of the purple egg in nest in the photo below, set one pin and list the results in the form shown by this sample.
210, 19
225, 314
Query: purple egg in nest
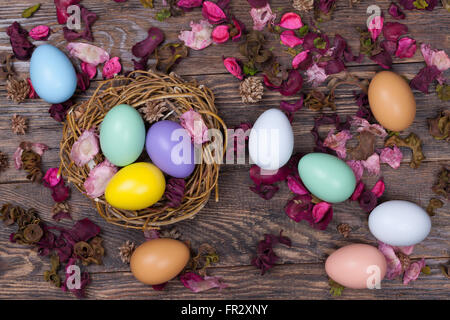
170, 148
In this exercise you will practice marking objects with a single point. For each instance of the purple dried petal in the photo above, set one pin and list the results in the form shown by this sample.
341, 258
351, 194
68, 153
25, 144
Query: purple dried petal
424, 78
393, 30
175, 192
395, 11
383, 58
21, 47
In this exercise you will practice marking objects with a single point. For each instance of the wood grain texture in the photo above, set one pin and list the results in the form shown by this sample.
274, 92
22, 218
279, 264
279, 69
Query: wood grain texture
238, 221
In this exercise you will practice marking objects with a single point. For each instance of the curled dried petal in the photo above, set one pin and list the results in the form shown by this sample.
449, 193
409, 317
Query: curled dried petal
199, 37
213, 13
40, 32
88, 53
406, 47
291, 21
262, 16
372, 164
391, 156
193, 122
111, 68
96, 182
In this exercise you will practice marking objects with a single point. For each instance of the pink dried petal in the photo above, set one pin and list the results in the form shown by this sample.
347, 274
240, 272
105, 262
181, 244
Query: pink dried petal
98, 179
197, 283
364, 125
88, 53
315, 75
357, 167
200, 36
85, 148
89, 69
406, 48
193, 122
413, 271
51, 177
262, 16
61, 9
220, 34
378, 188
320, 210
375, 27
233, 67
337, 142
32, 94
144, 48
291, 21
151, 234
60, 192
393, 30
439, 59
111, 68
40, 32
394, 266
265, 177
213, 13
240, 27
302, 56
358, 191
296, 185
391, 156
299, 208
18, 158
289, 38
189, 3
372, 164
408, 250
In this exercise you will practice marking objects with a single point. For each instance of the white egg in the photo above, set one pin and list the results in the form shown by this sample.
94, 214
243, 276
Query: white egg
399, 223
271, 140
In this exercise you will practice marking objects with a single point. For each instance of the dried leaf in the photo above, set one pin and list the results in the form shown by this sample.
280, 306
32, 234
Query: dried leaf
413, 142
336, 289
439, 127
27, 13
365, 148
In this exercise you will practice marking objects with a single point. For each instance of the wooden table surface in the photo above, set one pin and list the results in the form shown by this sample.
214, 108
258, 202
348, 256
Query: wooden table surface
238, 221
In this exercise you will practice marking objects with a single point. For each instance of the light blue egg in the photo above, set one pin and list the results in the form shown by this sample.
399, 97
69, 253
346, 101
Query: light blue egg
327, 177
122, 135
52, 74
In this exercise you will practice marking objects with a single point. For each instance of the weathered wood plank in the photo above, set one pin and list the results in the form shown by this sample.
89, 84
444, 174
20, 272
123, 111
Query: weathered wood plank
293, 281
238, 221
120, 25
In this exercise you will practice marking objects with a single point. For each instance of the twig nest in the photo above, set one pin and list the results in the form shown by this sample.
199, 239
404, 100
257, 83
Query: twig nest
145, 91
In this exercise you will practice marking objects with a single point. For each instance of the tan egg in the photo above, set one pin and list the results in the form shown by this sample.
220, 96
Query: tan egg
353, 265
392, 101
158, 261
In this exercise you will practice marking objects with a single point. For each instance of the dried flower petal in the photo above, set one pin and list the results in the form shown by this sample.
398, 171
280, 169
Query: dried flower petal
292, 84
301, 57
262, 16
290, 39
88, 18
111, 68
85, 148
372, 164
315, 75
61, 9
439, 127
296, 185
51, 177
413, 272
290, 108
291, 21
391, 156
299, 208
213, 13
197, 283
193, 122
436, 58
406, 47
393, 30
96, 182
337, 142
40, 32
365, 148
424, 78
174, 193
233, 67
21, 47
58, 111
383, 58
413, 142
187, 4
358, 191
322, 213
89, 69
395, 11
375, 27
88, 53
266, 257
394, 266
200, 36
220, 34
378, 188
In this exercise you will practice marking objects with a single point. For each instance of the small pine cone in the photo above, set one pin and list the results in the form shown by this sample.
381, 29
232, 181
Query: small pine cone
303, 5
154, 110
126, 250
18, 124
404, 260
17, 90
344, 229
3, 161
251, 90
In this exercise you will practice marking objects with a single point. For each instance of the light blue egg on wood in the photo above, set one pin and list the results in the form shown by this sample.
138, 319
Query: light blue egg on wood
52, 74
122, 135
327, 177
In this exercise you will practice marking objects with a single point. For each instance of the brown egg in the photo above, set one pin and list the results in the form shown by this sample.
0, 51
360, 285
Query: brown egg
352, 265
392, 101
159, 260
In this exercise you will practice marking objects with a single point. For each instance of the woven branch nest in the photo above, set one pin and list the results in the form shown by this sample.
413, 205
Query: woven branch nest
136, 90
